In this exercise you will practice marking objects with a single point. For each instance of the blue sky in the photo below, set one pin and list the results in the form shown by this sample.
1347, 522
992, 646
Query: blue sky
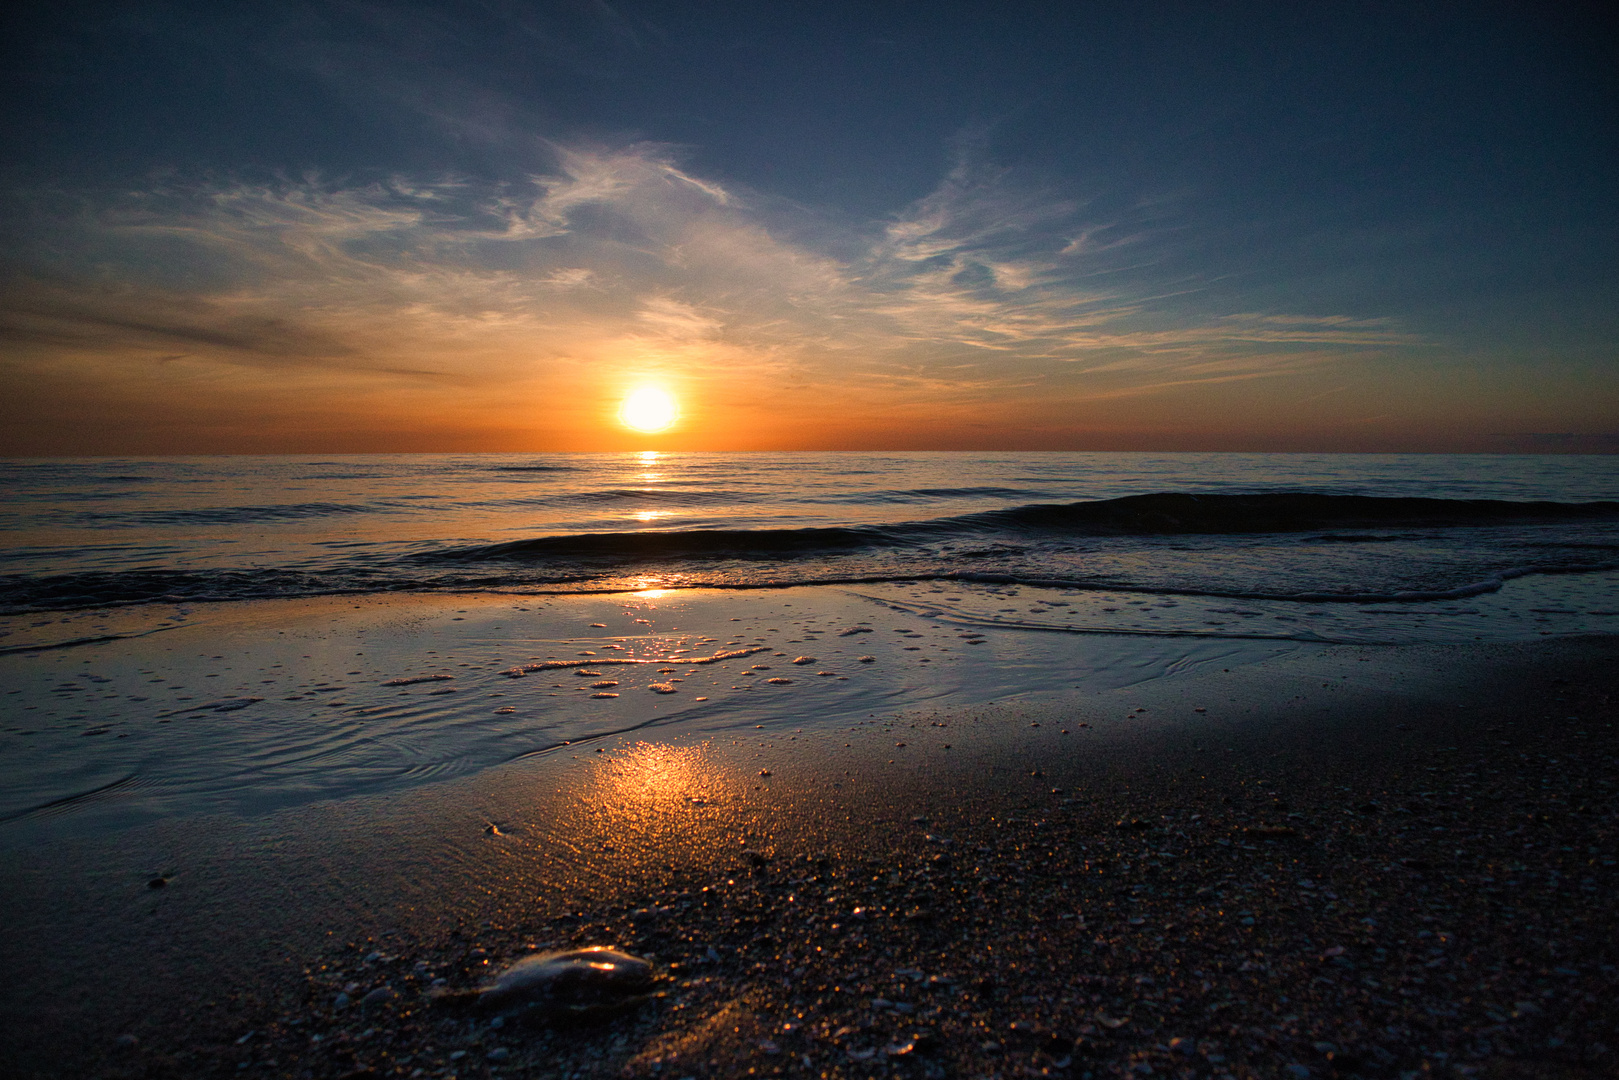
349, 226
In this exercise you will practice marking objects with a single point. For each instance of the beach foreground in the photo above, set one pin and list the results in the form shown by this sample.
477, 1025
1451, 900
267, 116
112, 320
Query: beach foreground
1323, 861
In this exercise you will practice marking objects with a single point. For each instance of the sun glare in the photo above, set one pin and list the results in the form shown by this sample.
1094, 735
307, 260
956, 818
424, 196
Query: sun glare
649, 409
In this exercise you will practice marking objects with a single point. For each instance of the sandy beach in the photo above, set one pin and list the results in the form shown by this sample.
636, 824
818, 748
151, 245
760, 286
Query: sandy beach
1196, 858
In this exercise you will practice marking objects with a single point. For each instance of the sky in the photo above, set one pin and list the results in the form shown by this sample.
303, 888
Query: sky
299, 227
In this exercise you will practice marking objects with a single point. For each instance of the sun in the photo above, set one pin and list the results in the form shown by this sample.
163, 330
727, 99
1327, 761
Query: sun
649, 409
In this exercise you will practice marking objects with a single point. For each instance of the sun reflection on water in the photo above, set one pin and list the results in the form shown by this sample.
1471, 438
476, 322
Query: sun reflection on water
648, 587
648, 460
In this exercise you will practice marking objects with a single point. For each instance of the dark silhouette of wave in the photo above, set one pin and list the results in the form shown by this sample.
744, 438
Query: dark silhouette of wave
975, 547
1175, 513
1134, 515
694, 544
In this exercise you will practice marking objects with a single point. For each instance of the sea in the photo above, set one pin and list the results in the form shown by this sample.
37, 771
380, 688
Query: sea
184, 636
1349, 547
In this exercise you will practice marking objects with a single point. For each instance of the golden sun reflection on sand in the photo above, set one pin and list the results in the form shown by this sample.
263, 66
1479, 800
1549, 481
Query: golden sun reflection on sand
654, 775
655, 800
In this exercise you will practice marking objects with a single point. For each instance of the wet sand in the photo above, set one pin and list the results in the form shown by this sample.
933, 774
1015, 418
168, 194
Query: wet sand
1339, 861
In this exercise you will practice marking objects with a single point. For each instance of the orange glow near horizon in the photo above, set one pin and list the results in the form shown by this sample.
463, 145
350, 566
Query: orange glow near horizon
353, 318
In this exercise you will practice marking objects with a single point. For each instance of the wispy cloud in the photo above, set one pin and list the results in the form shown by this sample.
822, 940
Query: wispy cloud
619, 258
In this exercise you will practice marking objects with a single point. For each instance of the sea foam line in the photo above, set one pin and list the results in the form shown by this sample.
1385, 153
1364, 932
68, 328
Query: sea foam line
596, 661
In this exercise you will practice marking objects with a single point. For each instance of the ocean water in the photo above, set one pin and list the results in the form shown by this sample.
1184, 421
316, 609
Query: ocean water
237, 634
1338, 544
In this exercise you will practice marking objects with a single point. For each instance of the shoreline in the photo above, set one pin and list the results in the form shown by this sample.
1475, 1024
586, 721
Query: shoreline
1014, 903
246, 708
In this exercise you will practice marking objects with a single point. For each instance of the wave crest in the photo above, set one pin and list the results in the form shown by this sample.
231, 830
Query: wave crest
1162, 514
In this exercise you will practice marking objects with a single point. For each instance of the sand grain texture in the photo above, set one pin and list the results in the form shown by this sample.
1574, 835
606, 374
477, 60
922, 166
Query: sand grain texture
1412, 878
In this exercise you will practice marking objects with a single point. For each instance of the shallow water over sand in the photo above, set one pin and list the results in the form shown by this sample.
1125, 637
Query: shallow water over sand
247, 707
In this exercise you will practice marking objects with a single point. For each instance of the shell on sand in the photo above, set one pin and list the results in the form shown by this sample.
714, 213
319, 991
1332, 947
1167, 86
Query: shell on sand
575, 982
